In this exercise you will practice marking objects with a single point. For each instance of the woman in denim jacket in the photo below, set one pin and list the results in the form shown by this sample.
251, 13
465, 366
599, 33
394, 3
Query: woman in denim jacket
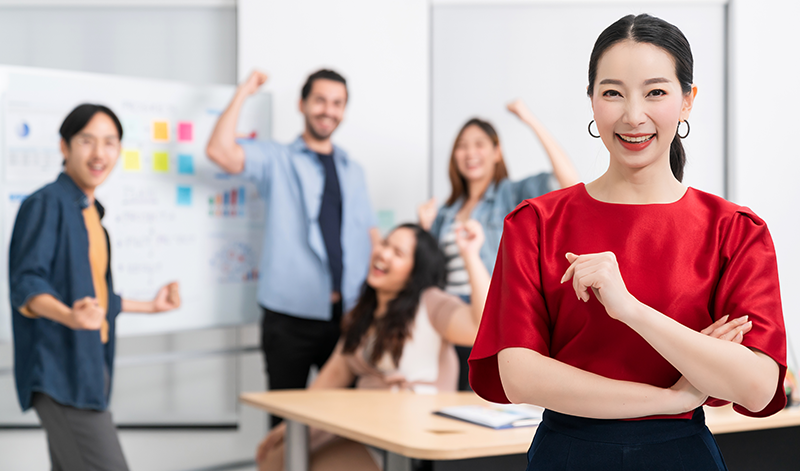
481, 190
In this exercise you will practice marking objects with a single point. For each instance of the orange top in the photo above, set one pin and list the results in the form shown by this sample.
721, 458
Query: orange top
98, 260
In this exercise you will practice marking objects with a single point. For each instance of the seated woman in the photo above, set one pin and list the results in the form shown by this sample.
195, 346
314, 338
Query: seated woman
399, 335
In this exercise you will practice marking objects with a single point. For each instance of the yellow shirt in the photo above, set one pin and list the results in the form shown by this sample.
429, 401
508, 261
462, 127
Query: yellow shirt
98, 260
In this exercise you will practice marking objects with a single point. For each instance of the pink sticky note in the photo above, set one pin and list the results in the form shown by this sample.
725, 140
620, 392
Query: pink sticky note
185, 131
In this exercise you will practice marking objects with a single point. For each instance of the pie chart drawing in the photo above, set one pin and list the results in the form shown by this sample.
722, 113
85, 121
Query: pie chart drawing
23, 130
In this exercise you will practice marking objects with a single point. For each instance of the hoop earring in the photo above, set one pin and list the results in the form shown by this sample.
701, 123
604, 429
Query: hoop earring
688, 128
590, 130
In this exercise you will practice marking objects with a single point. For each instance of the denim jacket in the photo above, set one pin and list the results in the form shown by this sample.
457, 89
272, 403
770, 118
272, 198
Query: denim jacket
498, 200
49, 254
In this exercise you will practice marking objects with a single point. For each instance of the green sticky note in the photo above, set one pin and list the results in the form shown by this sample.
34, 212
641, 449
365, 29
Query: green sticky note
161, 161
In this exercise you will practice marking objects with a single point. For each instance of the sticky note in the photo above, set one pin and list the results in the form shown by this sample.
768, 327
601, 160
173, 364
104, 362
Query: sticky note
185, 129
132, 130
160, 131
184, 196
130, 160
185, 164
385, 219
161, 161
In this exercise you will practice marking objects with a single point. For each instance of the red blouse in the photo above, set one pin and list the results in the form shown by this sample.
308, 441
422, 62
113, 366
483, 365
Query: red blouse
694, 260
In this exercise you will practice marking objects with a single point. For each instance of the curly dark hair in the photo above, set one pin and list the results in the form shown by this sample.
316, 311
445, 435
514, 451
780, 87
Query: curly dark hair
392, 329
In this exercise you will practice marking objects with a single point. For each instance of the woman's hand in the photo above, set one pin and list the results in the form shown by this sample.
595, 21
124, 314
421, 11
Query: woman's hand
273, 440
689, 397
518, 108
600, 272
469, 238
732, 331
426, 212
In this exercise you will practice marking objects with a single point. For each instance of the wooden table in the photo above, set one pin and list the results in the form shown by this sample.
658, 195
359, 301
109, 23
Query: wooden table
402, 423
725, 420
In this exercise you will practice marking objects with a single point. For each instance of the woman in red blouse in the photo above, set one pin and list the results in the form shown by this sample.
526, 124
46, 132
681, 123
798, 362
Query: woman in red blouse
623, 305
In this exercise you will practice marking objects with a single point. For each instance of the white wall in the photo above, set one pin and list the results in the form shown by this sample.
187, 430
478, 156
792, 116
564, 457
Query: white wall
765, 123
381, 48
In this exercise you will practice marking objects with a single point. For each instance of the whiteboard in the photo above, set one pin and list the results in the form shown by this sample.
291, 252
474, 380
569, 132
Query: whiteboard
485, 56
171, 214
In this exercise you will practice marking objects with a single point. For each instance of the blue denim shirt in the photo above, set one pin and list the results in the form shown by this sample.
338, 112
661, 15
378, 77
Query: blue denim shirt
294, 274
498, 200
49, 254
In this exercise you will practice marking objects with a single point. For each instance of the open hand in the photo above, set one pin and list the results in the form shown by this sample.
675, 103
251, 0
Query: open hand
168, 298
253, 82
600, 272
426, 212
732, 331
469, 237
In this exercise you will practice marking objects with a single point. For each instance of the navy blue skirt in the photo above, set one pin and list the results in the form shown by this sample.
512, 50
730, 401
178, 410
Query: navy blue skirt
564, 442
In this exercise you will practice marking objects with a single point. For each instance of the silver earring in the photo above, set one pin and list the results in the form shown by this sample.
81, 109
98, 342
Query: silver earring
590, 130
688, 128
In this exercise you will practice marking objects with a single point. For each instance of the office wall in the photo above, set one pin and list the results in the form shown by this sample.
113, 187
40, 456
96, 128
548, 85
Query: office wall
765, 120
195, 44
192, 41
381, 47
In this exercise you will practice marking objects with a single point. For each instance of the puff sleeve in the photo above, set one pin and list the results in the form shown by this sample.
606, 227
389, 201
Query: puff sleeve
515, 314
748, 285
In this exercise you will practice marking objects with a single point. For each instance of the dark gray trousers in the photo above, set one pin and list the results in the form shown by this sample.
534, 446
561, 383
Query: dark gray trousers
79, 439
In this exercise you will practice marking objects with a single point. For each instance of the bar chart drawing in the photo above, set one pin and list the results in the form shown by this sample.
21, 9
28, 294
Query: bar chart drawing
228, 203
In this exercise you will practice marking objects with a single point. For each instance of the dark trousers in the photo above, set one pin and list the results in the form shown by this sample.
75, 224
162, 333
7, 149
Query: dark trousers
291, 345
79, 439
568, 443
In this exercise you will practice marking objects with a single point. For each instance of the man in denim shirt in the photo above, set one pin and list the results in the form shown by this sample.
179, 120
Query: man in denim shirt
318, 232
63, 303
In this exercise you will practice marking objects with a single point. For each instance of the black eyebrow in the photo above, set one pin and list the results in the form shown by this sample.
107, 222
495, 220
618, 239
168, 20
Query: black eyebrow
646, 82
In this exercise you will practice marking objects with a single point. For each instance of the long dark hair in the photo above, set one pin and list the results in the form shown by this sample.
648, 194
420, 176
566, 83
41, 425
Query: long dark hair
457, 181
651, 30
392, 329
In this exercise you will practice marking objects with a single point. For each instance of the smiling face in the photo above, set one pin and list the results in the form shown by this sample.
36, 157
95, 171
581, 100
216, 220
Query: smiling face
638, 103
475, 154
323, 108
92, 153
393, 261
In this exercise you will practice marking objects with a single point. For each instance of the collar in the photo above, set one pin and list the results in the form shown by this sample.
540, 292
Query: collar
76, 195
488, 196
490, 192
299, 145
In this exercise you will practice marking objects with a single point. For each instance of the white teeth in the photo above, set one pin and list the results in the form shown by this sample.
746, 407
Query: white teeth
379, 266
635, 139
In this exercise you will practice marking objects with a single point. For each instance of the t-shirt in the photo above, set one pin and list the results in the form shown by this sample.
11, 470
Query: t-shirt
694, 260
456, 277
428, 361
98, 261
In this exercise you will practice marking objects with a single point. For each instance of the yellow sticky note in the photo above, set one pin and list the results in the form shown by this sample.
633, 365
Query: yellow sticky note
160, 131
130, 160
160, 161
